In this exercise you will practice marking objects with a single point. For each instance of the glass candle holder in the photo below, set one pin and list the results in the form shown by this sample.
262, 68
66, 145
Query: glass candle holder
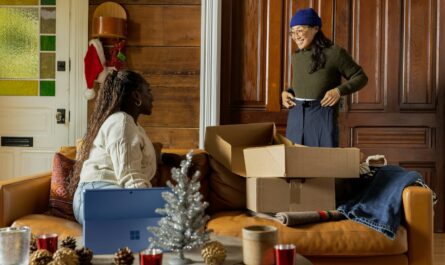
14, 245
284, 254
150, 257
48, 242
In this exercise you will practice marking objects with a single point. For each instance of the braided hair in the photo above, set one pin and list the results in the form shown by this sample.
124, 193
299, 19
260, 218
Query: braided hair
319, 42
113, 97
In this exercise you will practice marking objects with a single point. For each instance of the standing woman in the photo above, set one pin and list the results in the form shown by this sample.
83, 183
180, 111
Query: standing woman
116, 152
318, 66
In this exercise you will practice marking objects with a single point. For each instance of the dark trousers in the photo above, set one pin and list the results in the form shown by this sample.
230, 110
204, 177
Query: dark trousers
310, 124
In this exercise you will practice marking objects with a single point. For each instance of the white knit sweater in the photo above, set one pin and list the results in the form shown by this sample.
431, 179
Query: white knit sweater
121, 154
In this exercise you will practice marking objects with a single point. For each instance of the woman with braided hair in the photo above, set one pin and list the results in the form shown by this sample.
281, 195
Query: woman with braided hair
116, 152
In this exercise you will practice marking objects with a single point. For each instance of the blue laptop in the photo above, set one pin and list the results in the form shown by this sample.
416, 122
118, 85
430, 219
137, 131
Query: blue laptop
118, 218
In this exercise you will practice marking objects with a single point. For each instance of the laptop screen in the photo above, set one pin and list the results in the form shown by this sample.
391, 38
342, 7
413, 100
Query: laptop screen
116, 218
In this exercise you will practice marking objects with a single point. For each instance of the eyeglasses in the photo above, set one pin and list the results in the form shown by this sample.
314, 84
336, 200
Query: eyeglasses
299, 31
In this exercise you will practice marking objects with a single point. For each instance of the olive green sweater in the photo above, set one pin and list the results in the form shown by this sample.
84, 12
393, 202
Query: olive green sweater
338, 63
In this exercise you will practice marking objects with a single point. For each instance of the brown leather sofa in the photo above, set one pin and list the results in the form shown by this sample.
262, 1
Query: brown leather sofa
24, 200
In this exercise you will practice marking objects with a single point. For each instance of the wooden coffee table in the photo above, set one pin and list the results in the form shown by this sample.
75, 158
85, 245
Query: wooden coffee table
233, 246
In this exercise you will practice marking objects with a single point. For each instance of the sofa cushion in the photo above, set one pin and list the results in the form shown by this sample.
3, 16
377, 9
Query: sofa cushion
60, 199
227, 190
340, 238
44, 224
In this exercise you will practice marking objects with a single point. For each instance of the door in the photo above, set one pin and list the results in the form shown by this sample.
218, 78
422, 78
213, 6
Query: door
399, 113
34, 84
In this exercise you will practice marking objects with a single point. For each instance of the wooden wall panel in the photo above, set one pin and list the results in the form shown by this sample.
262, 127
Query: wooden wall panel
419, 55
248, 36
392, 137
166, 25
368, 52
164, 46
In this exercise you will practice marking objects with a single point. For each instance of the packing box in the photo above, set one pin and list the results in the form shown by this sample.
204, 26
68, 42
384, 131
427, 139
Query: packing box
302, 161
270, 195
225, 143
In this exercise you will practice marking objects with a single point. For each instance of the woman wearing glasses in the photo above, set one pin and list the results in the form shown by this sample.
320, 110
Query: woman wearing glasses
318, 66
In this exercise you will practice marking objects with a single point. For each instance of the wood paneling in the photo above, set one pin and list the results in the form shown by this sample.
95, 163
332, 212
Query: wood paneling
395, 137
164, 60
174, 137
399, 113
419, 55
166, 25
164, 45
368, 52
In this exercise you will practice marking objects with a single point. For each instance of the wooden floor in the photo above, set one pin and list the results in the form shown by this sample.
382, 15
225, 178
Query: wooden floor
439, 249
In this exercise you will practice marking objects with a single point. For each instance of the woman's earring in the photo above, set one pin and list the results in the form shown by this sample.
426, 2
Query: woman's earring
138, 103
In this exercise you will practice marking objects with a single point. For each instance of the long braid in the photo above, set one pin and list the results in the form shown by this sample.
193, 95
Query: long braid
116, 88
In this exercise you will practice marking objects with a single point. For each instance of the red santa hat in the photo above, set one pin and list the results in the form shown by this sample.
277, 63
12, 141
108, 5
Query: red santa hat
95, 69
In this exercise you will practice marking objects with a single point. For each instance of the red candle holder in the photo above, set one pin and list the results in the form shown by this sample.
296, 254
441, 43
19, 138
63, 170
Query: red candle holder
150, 257
284, 254
48, 242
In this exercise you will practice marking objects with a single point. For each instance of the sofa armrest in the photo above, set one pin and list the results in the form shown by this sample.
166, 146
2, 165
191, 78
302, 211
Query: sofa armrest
418, 207
22, 196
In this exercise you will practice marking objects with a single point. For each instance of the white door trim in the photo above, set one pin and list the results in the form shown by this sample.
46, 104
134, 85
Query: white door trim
78, 48
210, 66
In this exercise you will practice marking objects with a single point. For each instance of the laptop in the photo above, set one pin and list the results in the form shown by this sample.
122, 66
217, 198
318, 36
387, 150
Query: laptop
117, 218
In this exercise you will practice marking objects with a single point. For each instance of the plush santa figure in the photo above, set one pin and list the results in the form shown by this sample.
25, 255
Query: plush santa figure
95, 66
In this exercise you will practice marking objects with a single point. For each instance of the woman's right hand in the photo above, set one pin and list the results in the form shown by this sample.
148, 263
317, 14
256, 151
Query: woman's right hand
287, 99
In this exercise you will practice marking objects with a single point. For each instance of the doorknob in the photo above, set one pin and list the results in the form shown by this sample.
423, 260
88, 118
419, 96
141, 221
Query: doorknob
60, 116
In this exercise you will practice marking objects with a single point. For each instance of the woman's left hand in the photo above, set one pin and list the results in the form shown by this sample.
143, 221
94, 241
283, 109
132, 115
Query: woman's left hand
330, 98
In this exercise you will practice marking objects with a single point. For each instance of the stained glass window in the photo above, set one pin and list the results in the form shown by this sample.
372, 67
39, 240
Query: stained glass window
27, 47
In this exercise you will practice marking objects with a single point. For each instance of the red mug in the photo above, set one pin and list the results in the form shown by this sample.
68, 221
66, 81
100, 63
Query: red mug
150, 257
284, 254
48, 242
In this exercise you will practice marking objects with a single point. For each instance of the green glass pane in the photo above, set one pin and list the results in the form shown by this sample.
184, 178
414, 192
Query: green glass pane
19, 88
48, 88
19, 42
48, 65
48, 20
48, 2
19, 2
47, 43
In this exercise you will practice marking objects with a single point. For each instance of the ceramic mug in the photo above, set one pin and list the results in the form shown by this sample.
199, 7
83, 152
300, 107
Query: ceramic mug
258, 244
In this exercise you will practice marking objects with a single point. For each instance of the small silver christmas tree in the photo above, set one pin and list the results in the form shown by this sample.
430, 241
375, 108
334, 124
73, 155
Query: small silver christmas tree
183, 227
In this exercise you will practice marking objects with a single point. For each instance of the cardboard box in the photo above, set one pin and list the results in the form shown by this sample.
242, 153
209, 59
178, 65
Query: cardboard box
225, 143
269, 195
301, 161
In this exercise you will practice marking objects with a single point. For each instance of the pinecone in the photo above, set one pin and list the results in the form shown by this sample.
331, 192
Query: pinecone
56, 262
213, 253
32, 244
85, 256
124, 256
69, 242
67, 256
40, 257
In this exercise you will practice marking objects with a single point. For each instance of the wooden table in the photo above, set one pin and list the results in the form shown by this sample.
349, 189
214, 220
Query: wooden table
233, 247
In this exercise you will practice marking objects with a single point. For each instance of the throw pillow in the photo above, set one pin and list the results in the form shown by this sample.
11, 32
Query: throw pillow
60, 200
227, 190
